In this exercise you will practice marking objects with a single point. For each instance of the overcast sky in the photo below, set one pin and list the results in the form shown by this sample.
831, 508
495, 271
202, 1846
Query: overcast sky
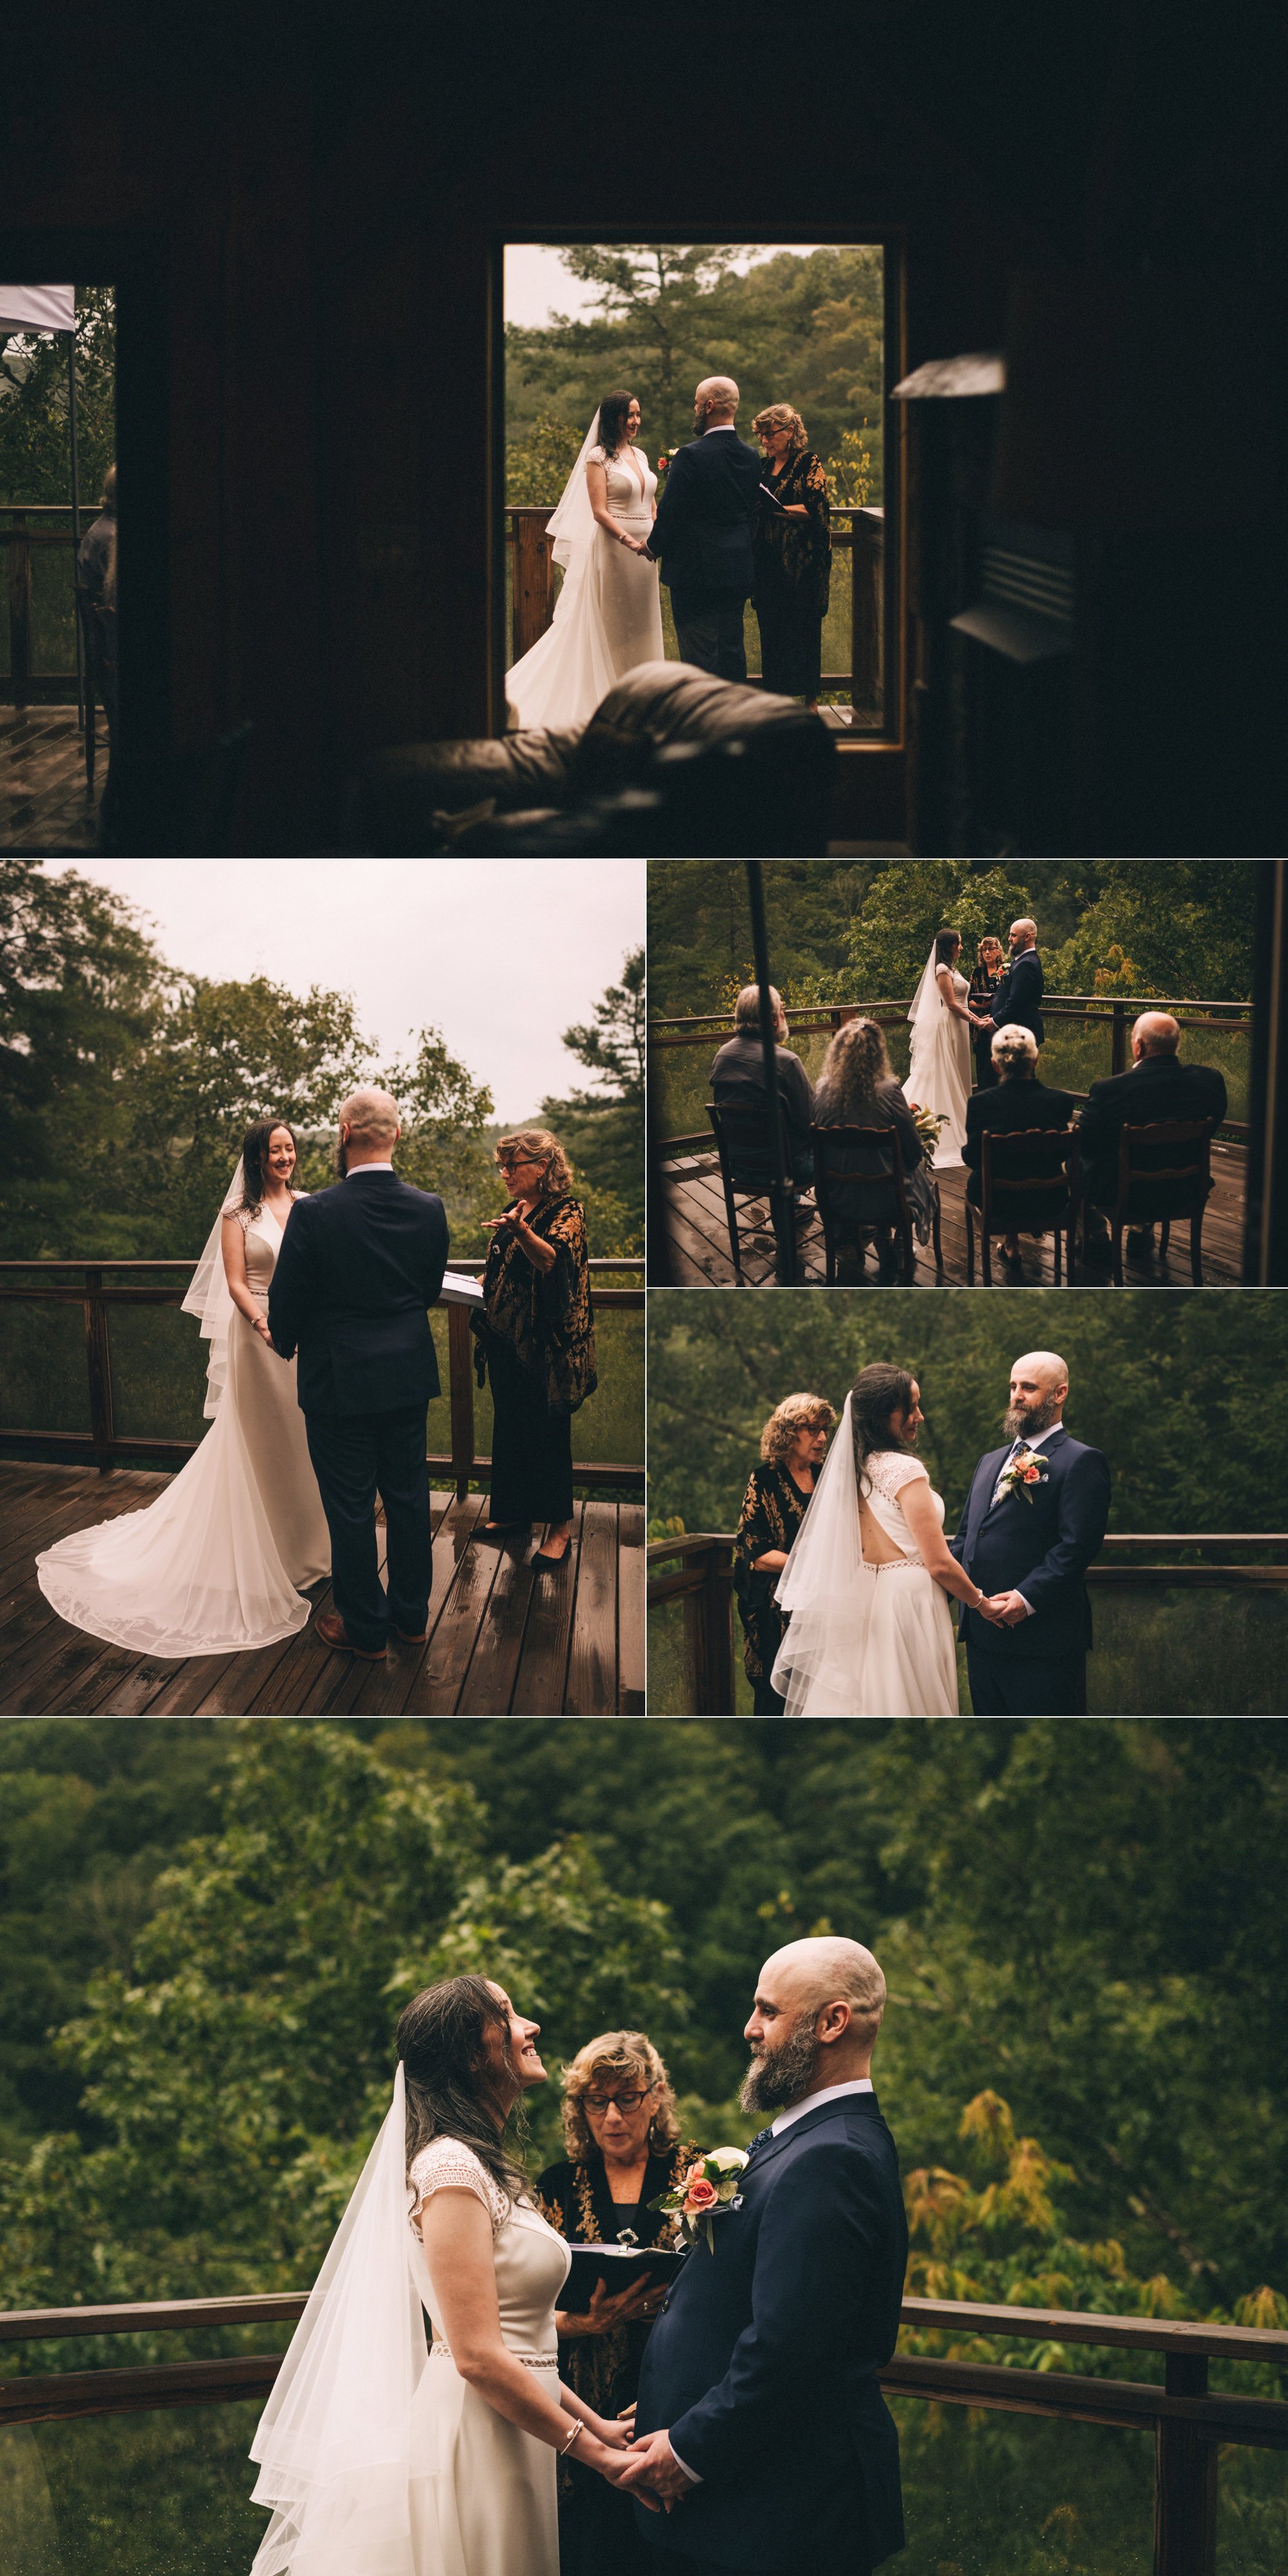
537, 284
499, 954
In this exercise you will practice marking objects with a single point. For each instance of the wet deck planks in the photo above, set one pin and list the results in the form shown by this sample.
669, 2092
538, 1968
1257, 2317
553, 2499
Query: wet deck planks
45, 803
506, 1638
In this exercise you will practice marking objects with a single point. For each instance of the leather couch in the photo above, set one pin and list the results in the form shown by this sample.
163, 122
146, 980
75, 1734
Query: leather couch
673, 764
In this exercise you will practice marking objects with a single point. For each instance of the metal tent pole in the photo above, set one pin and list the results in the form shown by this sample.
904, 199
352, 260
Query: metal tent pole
80, 641
781, 1209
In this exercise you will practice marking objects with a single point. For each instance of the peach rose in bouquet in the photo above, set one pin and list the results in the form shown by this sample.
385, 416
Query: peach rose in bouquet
709, 2188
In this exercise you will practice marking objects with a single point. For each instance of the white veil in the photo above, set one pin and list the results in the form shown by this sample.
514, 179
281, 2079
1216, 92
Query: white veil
208, 1297
927, 1001
828, 1591
334, 2441
572, 522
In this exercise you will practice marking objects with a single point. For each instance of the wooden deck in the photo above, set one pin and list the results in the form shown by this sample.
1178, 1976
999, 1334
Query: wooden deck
699, 1238
44, 801
505, 1639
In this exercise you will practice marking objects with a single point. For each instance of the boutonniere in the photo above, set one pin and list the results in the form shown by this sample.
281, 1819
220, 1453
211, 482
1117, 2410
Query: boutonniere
1023, 1473
706, 2191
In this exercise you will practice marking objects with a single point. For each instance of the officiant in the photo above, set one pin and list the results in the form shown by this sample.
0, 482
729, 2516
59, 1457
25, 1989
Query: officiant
793, 1445
624, 2150
535, 1340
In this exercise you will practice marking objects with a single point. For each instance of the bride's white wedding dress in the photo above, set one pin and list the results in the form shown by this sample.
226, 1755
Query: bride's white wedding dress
376, 2457
863, 1640
220, 1559
608, 616
939, 1074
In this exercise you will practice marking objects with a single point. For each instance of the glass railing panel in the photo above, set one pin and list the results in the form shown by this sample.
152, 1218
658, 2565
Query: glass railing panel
158, 1373
671, 1680
1168, 1650
1076, 1051
1252, 2513
53, 608
44, 1384
609, 1425
1230, 1050
1010, 2495
837, 625
160, 2494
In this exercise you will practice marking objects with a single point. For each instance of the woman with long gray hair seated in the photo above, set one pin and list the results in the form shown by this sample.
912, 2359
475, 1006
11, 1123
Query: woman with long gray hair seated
856, 1088
1016, 1100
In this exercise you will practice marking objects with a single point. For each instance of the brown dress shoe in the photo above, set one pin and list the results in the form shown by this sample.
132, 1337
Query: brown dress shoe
331, 1629
411, 1636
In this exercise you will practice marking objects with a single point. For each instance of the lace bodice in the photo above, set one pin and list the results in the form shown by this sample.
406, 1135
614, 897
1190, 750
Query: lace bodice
446, 2165
623, 471
887, 1474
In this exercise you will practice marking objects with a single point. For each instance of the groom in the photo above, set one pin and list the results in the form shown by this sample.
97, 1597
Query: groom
358, 1267
702, 533
761, 2428
1027, 1536
1017, 1001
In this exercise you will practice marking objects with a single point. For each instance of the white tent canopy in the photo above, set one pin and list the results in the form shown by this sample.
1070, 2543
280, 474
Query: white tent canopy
37, 308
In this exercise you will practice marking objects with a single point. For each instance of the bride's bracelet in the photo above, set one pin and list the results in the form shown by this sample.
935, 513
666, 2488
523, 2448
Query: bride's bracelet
565, 2447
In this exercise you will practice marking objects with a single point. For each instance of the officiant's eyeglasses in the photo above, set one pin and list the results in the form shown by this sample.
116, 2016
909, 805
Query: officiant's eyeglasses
624, 2101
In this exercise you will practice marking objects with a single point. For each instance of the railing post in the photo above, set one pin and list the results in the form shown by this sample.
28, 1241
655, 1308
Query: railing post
865, 610
98, 1360
19, 608
460, 1379
1119, 1042
1184, 2480
532, 578
715, 1627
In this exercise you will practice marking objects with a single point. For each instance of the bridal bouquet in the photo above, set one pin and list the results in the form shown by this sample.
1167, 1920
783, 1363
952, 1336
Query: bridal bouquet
928, 1123
1026, 1470
708, 2188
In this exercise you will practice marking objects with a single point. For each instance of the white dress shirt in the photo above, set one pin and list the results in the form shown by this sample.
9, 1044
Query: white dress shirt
367, 1167
1035, 1443
827, 2093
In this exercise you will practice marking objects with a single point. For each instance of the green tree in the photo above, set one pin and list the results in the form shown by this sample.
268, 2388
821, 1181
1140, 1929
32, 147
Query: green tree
35, 454
604, 1134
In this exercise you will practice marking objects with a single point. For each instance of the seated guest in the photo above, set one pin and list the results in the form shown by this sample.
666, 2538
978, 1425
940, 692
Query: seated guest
1016, 1099
856, 1088
792, 1447
1157, 1086
624, 2150
738, 1082
986, 975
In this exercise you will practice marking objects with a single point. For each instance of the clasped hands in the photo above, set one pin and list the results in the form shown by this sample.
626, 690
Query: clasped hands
649, 2469
1004, 1609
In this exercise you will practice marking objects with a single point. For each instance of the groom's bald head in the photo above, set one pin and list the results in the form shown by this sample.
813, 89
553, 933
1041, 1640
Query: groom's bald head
1039, 1385
717, 398
815, 2019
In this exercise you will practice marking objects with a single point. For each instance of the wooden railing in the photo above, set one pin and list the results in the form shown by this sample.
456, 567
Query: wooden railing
29, 527
98, 1286
698, 1570
711, 1028
860, 533
1191, 2422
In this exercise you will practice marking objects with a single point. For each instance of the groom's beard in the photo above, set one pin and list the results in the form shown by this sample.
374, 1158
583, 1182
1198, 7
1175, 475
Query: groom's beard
1024, 1421
781, 2076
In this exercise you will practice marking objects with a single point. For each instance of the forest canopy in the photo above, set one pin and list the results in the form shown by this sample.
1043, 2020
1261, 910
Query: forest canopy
210, 1929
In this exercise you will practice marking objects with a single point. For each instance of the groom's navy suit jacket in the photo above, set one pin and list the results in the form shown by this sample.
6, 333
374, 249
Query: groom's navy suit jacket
702, 532
763, 2363
358, 1267
1040, 1548
1018, 998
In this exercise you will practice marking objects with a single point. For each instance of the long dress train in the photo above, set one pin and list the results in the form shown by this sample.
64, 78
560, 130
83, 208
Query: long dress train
221, 1558
608, 616
939, 1075
863, 1640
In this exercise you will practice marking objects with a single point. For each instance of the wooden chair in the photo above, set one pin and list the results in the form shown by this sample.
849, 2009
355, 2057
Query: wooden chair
742, 1137
1187, 1143
840, 1194
1022, 1163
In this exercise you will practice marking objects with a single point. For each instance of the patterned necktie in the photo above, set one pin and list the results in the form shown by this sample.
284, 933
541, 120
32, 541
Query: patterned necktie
758, 2142
1012, 1452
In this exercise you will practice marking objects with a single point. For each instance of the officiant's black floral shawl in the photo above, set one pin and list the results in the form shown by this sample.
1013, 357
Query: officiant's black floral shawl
575, 2198
793, 557
773, 1508
548, 1322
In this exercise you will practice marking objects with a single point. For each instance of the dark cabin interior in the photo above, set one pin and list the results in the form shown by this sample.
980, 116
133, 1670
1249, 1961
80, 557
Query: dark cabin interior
303, 218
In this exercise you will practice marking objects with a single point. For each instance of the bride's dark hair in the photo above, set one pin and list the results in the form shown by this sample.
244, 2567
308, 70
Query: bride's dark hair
612, 421
877, 1393
255, 1159
947, 943
441, 2038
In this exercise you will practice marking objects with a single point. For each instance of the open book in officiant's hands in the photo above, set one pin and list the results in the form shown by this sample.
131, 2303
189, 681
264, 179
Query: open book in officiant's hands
619, 2267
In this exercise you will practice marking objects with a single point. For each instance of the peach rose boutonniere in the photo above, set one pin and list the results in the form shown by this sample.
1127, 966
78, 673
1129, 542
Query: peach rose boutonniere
1023, 1473
708, 2189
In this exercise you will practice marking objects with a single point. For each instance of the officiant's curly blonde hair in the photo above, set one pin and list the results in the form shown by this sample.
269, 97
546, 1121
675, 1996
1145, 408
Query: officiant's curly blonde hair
796, 1413
616, 2053
781, 416
541, 1147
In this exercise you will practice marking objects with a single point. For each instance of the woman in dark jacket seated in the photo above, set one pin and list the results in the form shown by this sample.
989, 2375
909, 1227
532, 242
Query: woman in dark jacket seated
856, 1088
1018, 1100
624, 2150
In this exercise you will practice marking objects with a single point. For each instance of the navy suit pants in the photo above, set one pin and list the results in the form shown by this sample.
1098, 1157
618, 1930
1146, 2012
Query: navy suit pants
1026, 1685
355, 1456
709, 633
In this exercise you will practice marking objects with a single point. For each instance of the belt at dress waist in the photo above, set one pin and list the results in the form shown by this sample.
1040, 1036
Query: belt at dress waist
527, 2360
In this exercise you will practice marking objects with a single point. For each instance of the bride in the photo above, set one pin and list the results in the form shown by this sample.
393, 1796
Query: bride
867, 1581
939, 1076
221, 1558
376, 2456
608, 615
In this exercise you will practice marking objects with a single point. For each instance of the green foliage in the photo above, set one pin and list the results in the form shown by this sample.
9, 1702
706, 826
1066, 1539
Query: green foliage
614, 1048
35, 455
804, 328
604, 1136
538, 466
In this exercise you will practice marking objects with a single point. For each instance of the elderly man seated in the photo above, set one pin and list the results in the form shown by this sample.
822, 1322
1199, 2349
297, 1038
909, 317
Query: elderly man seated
1158, 1086
1016, 1099
738, 1082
